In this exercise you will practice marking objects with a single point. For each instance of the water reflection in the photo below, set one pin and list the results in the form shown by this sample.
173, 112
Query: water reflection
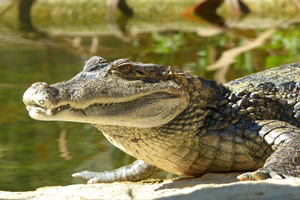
55, 42
24, 15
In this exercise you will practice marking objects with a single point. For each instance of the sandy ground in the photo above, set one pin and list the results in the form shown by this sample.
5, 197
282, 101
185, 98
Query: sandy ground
208, 187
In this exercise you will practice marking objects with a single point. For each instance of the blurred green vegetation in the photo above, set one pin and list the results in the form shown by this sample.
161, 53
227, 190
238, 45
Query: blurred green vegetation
284, 47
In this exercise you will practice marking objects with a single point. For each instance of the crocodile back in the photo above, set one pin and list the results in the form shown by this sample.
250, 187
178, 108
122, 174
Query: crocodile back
277, 76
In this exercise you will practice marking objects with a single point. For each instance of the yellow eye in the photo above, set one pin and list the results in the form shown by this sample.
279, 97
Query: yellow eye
125, 69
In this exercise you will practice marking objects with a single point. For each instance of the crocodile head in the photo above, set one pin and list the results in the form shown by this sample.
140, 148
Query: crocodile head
120, 93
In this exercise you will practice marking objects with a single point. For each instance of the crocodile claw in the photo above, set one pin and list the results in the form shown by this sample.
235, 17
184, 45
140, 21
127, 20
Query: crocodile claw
90, 176
261, 174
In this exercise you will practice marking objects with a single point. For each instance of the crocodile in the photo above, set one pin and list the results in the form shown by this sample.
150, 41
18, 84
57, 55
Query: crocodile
184, 124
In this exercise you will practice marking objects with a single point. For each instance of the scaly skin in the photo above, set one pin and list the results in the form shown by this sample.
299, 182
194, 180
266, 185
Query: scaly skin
183, 124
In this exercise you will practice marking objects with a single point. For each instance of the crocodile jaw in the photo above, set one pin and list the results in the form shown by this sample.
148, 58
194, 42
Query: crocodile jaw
144, 111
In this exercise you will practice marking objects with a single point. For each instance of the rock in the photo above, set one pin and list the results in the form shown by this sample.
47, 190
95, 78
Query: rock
208, 187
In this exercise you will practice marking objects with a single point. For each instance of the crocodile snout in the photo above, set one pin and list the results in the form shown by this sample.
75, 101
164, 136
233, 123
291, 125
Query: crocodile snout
40, 94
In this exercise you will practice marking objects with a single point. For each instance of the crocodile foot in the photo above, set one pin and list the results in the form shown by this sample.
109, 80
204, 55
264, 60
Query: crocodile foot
92, 177
139, 170
262, 174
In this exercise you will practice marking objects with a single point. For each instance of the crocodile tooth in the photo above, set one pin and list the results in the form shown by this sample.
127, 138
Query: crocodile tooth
49, 112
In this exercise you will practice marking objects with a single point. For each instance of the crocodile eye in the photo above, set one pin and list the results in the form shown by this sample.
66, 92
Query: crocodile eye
125, 69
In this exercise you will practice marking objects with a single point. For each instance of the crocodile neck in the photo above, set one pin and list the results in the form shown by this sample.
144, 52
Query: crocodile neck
185, 130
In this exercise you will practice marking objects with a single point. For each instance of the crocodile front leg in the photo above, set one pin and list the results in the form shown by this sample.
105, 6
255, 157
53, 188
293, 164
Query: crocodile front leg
138, 170
285, 161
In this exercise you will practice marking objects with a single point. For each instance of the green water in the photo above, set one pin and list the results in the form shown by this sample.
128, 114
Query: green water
36, 153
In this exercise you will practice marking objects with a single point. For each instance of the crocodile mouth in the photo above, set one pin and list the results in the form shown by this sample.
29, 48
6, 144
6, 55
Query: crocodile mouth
68, 107
55, 110
155, 107
150, 108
